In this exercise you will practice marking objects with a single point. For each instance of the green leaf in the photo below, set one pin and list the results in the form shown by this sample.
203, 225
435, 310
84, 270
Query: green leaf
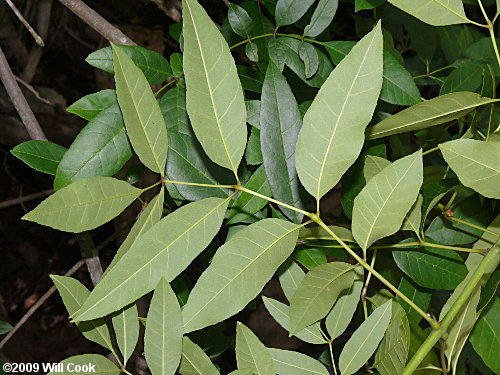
280, 123
85, 204
73, 294
247, 205
148, 217
214, 95
414, 217
343, 310
434, 12
252, 51
367, 4
40, 155
290, 277
5, 327
392, 353
454, 40
145, 125
91, 105
244, 371
176, 62
290, 11
365, 339
322, 17
165, 250
163, 336
338, 49
155, 67
188, 162
380, 208
373, 166
433, 192
288, 362
432, 112
240, 21
251, 353
398, 86
317, 293
465, 78
310, 257
253, 112
309, 55
332, 135
194, 361
485, 339
432, 268
98, 365
253, 154
173, 109
281, 313
126, 325
239, 271
100, 149
476, 163
420, 298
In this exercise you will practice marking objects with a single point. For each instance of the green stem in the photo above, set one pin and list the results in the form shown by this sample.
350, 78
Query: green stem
168, 84
197, 184
483, 229
434, 72
331, 357
251, 39
365, 288
430, 150
241, 188
494, 42
434, 337
362, 262
452, 199
462, 249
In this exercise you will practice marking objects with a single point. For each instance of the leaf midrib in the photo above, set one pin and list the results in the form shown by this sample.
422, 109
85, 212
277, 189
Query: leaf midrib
158, 254
346, 99
219, 128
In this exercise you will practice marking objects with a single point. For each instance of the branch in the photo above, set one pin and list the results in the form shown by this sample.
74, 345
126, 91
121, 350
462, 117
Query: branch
434, 337
33, 33
98, 23
26, 198
19, 100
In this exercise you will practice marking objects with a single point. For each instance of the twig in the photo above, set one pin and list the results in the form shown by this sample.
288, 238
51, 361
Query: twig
19, 100
171, 11
26, 198
38, 303
98, 23
44, 11
33, 91
33, 33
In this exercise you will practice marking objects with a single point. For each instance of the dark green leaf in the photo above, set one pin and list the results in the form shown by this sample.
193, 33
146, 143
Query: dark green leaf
465, 78
253, 112
416, 295
309, 55
252, 51
322, 17
91, 105
367, 4
485, 338
290, 11
177, 65
430, 267
247, 204
280, 124
40, 155
173, 109
5, 327
253, 154
433, 192
154, 66
100, 149
239, 20
398, 86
